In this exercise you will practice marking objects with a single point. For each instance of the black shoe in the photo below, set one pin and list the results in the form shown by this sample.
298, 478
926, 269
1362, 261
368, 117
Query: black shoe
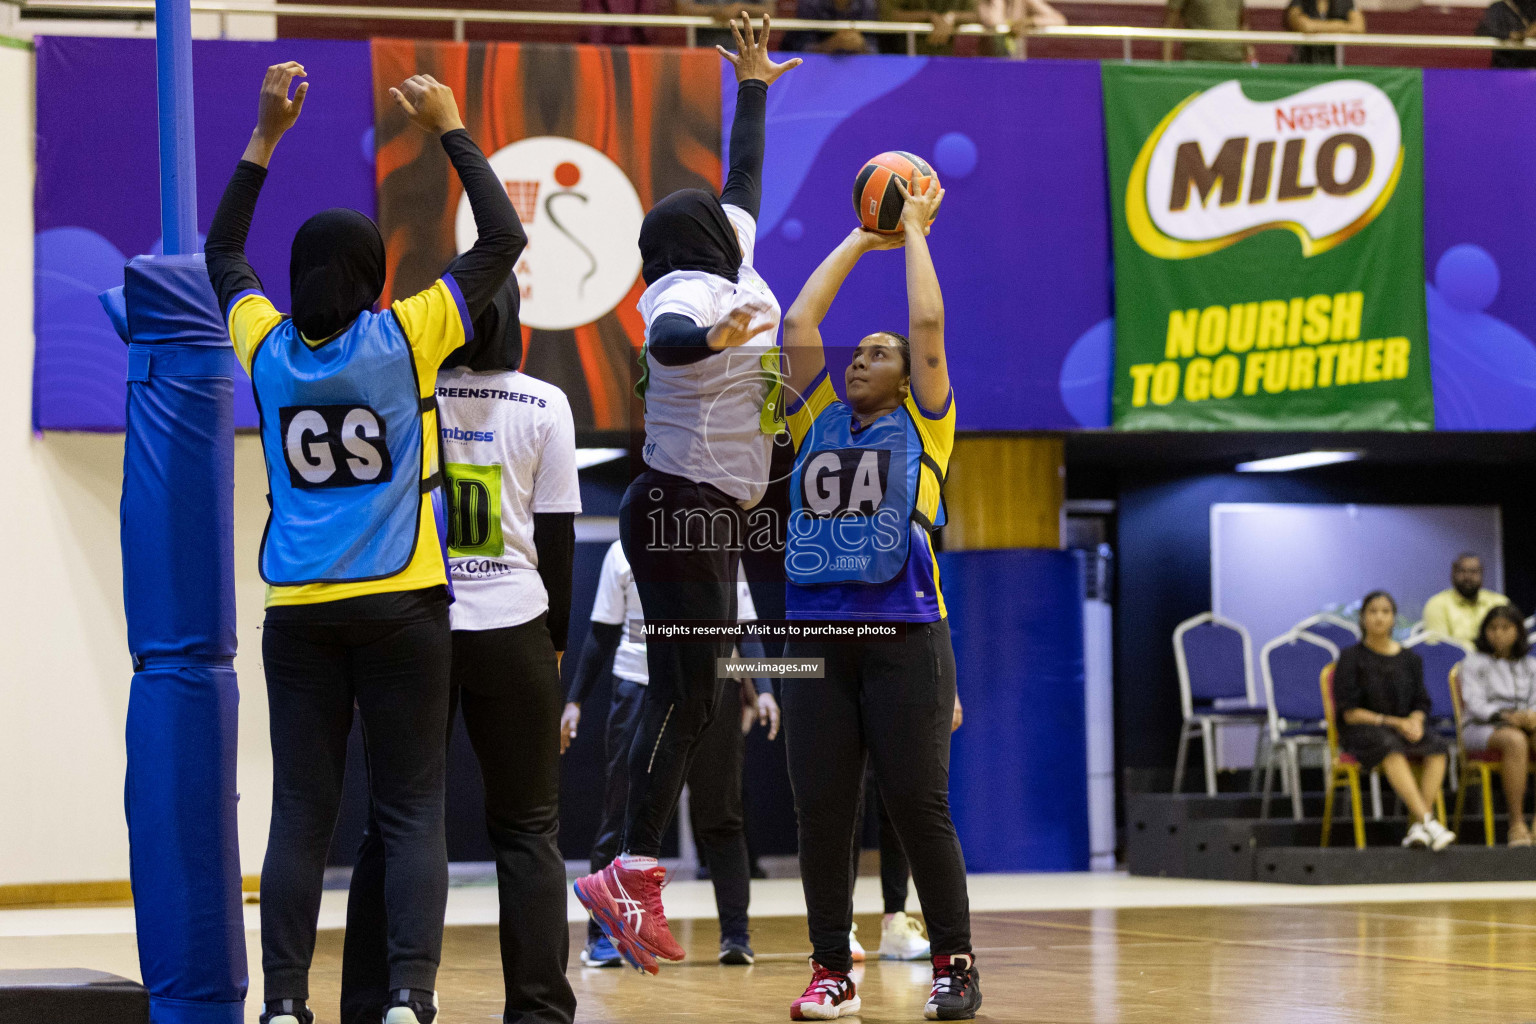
286, 1011
956, 993
735, 951
411, 1006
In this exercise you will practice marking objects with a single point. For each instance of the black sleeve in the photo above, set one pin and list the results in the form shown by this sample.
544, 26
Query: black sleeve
754, 649
1421, 699
596, 656
482, 270
676, 340
1347, 690
744, 181
228, 271
554, 541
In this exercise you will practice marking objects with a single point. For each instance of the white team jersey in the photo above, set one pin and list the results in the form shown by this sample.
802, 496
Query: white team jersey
509, 450
703, 419
618, 603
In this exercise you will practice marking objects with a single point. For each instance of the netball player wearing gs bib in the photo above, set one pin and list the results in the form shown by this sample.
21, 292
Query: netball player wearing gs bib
357, 602
864, 494
711, 416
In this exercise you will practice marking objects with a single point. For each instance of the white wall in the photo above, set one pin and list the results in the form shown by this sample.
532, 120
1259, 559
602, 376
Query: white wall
64, 668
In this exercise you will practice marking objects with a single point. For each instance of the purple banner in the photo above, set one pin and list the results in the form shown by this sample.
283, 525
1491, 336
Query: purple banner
1021, 246
1478, 230
97, 199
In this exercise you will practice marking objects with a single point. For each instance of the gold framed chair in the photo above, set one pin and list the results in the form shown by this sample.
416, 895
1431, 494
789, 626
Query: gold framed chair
1343, 769
1478, 766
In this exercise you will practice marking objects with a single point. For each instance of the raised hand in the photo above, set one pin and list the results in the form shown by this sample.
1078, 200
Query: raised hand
920, 207
276, 113
428, 103
736, 328
751, 58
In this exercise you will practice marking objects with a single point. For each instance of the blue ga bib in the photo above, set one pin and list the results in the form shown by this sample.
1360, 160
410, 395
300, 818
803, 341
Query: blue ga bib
853, 499
341, 433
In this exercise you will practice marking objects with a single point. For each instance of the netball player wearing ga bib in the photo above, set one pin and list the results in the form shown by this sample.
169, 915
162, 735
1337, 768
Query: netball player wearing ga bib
509, 458
357, 602
711, 390
864, 494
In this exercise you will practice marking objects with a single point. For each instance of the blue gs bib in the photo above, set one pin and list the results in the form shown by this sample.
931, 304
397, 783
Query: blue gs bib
341, 433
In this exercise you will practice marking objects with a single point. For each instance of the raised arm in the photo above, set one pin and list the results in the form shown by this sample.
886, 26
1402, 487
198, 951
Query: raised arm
925, 302
228, 270
480, 272
802, 324
755, 72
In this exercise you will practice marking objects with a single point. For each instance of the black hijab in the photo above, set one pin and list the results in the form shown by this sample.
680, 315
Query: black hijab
335, 271
688, 230
498, 340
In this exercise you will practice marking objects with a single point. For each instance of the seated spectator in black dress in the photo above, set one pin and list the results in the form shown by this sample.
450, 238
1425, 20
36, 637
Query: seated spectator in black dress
1378, 689
843, 40
1329, 16
1498, 706
1514, 20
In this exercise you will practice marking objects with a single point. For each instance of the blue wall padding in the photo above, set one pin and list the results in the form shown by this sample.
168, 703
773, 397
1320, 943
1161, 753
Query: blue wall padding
1019, 764
178, 590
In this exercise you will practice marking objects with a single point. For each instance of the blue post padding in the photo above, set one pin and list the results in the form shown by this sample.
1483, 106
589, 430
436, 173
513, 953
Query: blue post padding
184, 850
178, 155
1019, 764
178, 591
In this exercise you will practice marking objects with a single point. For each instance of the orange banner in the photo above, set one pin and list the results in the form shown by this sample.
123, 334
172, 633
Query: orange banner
585, 139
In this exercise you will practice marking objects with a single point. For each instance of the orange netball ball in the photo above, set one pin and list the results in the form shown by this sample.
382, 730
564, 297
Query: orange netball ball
875, 195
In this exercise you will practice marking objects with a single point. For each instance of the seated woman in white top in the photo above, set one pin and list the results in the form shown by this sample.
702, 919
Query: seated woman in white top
1498, 696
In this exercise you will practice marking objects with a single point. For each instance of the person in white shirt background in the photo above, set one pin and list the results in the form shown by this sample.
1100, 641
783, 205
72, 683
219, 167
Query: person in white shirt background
714, 779
509, 458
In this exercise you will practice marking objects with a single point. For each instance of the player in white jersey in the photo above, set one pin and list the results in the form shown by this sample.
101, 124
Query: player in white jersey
712, 395
509, 458
616, 638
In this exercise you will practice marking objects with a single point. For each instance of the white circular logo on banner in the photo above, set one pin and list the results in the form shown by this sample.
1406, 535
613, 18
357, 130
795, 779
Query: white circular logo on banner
582, 217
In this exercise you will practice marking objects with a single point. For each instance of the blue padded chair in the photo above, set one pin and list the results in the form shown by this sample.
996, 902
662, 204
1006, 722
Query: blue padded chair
1336, 629
1215, 661
1291, 664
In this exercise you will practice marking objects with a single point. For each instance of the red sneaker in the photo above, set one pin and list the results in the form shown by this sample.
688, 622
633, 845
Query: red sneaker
636, 892
594, 895
830, 995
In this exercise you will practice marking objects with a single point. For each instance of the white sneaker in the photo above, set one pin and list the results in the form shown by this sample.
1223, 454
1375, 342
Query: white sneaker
1417, 835
1439, 836
854, 948
902, 938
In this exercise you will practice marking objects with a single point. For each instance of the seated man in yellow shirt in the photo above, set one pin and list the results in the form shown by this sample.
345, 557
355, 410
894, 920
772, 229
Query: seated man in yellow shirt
1458, 612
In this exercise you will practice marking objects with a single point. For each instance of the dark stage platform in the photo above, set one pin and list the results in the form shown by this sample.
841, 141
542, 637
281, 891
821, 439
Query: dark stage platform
1222, 837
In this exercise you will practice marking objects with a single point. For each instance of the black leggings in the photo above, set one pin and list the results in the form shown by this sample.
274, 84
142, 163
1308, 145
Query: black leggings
318, 663
508, 684
891, 703
714, 786
894, 869
715, 809
682, 540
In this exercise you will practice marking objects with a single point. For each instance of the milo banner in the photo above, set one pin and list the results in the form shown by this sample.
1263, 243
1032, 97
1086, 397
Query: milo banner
1269, 257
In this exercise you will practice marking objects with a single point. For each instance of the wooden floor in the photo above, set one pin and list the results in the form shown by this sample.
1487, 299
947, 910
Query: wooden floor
1384, 963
